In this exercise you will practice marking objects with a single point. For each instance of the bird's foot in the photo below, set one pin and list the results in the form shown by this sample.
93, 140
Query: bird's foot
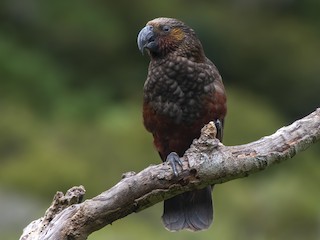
173, 159
219, 128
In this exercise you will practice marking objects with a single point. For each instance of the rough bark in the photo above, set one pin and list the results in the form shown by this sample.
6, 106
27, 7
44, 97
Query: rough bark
206, 162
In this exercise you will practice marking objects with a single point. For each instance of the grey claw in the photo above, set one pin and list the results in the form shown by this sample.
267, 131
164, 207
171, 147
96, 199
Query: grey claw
173, 159
219, 126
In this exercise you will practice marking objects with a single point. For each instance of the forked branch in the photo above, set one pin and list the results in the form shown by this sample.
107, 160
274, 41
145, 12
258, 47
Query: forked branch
206, 162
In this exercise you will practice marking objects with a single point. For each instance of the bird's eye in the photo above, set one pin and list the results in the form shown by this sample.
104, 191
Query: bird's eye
166, 28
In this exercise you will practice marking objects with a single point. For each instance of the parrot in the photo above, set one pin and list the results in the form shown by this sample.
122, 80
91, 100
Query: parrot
182, 93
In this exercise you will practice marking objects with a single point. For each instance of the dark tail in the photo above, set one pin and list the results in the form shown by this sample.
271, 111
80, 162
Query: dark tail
190, 210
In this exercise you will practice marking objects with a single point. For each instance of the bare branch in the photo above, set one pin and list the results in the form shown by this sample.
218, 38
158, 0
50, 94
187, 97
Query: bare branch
206, 162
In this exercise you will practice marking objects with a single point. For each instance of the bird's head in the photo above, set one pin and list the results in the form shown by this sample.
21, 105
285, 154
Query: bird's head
162, 36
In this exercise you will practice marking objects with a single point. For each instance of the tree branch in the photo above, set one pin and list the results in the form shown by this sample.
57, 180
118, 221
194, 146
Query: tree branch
206, 162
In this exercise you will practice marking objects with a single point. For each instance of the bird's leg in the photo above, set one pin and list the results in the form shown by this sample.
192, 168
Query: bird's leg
173, 159
219, 128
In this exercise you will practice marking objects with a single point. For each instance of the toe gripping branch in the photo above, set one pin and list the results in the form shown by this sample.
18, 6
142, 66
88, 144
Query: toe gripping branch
219, 126
174, 160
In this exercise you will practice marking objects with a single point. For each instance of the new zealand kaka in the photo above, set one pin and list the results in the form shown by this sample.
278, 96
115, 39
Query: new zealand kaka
182, 93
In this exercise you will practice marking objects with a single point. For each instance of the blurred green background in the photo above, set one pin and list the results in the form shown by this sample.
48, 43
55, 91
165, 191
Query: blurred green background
71, 80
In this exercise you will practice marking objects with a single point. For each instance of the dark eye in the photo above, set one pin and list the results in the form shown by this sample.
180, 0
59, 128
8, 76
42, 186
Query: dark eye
166, 28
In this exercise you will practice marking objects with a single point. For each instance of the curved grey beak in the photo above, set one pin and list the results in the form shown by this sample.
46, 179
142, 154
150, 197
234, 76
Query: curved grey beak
146, 38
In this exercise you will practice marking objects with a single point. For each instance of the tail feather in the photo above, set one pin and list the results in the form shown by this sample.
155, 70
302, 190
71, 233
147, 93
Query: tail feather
191, 210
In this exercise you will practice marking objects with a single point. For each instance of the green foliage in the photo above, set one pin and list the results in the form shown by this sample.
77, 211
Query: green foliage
71, 80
